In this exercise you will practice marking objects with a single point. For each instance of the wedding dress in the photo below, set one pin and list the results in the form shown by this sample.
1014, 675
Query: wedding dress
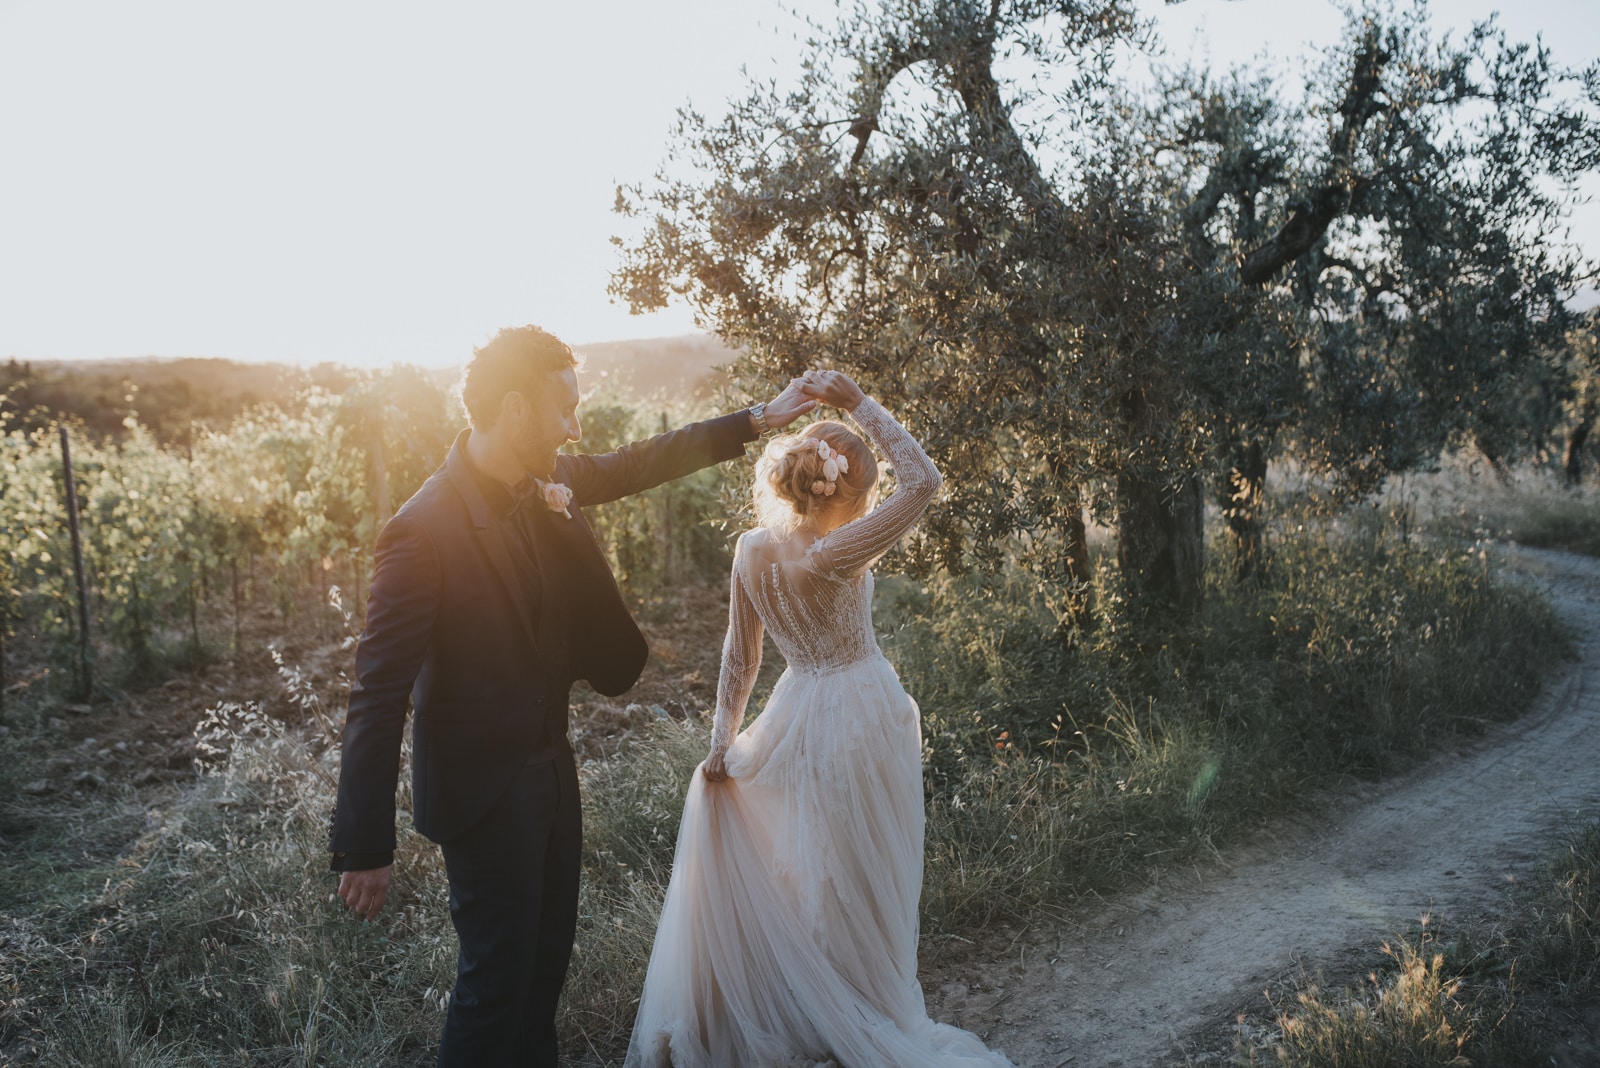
789, 932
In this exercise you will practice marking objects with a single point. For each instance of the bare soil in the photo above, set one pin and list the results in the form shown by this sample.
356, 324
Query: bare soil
1170, 972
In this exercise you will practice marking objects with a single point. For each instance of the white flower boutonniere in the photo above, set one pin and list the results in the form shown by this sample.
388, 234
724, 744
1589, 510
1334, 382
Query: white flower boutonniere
557, 497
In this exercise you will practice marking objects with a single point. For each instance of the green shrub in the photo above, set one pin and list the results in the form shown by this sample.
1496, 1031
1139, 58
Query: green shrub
1054, 767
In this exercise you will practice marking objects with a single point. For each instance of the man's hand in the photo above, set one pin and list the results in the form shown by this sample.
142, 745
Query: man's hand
833, 388
365, 891
789, 405
714, 768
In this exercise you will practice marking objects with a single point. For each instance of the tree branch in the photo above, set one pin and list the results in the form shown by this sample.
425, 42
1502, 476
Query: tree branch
1310, 219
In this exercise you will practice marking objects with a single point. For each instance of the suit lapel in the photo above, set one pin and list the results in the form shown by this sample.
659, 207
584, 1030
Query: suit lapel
494, 547
488, 536
548, 555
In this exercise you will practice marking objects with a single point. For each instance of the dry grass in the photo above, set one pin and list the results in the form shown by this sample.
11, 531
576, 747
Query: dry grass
1468, 498
1493, 998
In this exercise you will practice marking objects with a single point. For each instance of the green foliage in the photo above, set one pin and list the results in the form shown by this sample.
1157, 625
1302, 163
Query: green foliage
1571, 523
1055, 763
1081, 297
287, 501
172, 536
675, 533
173, 399
1378, 622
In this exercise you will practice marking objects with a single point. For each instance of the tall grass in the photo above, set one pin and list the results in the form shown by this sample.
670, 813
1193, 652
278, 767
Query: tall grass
1055, 769
218, 938
1052, 767
1469, 498
1571, 523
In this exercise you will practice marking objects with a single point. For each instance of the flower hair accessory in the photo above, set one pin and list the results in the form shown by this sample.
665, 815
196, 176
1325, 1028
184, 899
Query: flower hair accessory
834, 464
557, 497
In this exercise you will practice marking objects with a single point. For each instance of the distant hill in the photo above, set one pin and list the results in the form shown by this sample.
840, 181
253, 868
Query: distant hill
675, 366
172, 395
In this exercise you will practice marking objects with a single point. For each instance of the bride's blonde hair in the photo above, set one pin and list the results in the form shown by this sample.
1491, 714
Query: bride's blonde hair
791, 469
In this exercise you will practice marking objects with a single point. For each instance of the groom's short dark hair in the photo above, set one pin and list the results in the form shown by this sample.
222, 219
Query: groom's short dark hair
517, 358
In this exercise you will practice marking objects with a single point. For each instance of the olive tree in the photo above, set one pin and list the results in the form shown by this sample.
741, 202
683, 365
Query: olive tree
1410, 207
1085, 297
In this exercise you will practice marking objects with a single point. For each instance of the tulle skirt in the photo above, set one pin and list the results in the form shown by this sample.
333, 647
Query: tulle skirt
789, 932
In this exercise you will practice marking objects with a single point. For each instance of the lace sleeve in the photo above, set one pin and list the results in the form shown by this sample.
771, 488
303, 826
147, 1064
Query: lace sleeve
741, 658
854, 546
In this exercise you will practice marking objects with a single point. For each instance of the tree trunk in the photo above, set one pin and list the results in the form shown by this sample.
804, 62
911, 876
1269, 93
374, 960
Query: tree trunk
1161, 542
1077, 543
1241, 506
1076, 614
668, 578
1574, 459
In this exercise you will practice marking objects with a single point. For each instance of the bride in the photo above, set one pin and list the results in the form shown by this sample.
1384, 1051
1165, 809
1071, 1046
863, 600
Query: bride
789, 932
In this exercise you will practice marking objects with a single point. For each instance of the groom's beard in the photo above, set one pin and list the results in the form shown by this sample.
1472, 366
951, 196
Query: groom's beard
534, 450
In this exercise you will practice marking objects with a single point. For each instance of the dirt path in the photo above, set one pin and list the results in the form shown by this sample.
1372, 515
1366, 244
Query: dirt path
1160, 975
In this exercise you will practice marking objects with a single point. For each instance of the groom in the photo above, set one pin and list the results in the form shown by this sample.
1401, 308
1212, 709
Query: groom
489, 599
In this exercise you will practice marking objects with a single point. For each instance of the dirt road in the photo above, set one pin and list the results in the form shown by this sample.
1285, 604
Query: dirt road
1159, 975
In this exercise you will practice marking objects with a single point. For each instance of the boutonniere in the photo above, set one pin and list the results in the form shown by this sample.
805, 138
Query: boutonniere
557, 497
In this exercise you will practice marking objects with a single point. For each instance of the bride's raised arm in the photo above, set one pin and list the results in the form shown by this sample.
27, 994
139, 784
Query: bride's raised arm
856, 545
741, 659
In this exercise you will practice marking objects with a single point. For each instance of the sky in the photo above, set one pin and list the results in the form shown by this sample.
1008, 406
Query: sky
373, 181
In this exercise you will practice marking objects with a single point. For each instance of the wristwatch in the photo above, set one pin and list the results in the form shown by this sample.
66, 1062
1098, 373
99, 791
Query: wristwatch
758, 412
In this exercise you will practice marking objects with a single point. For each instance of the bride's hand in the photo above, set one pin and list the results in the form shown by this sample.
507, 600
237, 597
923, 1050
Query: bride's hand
833, 388
715, 769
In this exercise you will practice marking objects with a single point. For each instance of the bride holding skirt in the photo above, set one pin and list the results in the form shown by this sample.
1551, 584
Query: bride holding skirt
789, 932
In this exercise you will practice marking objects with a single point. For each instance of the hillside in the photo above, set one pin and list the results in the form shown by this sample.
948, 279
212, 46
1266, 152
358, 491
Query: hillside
675, 366
172, 395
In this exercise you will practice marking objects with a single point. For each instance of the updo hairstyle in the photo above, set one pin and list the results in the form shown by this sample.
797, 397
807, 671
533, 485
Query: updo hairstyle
791, 478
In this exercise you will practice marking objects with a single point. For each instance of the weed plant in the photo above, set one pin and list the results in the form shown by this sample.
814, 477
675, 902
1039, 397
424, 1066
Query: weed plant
1470, 1001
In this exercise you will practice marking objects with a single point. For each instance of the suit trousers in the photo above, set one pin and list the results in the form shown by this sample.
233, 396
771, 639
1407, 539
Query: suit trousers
514, 902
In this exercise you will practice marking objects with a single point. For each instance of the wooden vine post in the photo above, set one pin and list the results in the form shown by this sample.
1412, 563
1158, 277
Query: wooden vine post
84, 680
666, 525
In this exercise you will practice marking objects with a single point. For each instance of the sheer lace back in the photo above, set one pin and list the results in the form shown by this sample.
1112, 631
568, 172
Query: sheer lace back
819, 619
815, 594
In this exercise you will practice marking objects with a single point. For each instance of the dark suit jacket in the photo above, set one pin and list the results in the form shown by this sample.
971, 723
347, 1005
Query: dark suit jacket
449, 626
